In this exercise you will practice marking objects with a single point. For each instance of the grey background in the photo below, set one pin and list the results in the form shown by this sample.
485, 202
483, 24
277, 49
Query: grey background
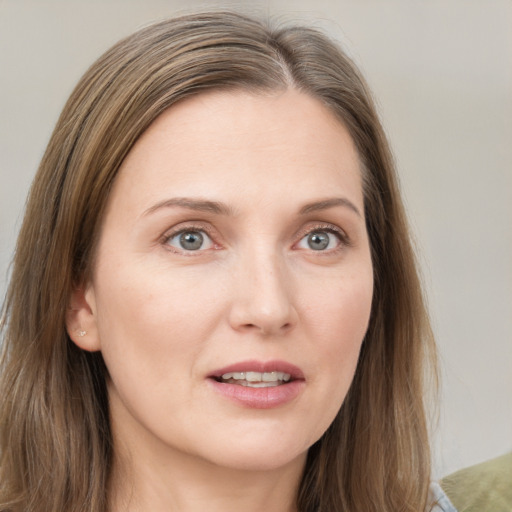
442, 75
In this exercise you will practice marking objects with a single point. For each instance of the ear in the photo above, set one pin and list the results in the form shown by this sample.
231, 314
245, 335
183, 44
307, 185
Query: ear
81, 319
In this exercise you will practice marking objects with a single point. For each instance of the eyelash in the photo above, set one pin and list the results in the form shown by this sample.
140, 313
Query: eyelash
343, 238
185, 229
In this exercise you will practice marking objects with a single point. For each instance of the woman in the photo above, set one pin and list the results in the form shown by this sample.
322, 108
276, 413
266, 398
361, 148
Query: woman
214, 302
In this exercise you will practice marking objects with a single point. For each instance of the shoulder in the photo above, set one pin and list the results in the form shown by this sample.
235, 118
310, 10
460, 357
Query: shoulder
438, 500
486, 486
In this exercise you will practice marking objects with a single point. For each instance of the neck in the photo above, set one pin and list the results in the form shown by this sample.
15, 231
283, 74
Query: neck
183, 483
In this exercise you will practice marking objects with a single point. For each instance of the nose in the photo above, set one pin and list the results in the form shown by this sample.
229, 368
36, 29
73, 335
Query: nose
263, 300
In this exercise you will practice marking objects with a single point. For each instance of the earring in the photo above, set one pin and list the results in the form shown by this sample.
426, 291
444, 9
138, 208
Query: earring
81, 333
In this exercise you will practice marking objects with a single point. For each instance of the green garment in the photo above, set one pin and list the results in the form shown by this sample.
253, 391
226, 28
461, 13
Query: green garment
486, 487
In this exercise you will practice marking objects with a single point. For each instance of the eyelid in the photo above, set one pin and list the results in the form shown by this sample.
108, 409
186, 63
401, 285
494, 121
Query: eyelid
212, 234
183, 228
325, 226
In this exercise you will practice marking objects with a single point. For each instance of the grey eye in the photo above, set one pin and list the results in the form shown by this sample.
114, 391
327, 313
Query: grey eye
192, 240
318, 240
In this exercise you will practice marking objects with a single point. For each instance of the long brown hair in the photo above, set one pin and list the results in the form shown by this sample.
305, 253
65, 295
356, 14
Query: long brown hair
55, 437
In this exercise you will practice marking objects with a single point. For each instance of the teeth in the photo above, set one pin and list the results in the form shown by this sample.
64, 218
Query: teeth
258, 384
256, 378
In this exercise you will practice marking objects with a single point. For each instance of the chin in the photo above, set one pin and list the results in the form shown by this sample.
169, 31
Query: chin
257, 452
261, 460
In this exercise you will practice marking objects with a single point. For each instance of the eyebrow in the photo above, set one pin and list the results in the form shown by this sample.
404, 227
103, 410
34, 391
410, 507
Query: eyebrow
329, 203
201, 205
218, 208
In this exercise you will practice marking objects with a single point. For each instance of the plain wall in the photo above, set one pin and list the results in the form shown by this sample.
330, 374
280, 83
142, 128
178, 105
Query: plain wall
442, 75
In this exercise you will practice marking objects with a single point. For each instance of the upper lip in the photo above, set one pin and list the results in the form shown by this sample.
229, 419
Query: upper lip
260, 366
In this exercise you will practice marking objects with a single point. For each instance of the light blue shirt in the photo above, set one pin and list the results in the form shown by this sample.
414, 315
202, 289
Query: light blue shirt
438, 499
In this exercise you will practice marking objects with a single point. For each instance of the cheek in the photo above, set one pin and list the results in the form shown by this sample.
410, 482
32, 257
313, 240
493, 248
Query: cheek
340, 309
148, 323
148, 297
151, 336
338, 319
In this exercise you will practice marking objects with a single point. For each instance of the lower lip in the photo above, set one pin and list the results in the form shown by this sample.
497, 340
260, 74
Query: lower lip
259, 398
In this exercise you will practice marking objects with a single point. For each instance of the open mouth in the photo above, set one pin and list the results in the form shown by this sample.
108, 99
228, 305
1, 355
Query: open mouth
259, 384
255, 379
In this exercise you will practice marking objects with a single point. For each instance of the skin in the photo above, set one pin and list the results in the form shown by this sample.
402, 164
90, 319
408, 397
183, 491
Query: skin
165, 317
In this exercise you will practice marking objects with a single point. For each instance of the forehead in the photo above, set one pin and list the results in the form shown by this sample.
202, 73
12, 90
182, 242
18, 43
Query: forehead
228, 140
265, 118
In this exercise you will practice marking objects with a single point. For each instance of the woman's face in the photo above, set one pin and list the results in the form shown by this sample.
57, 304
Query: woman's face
233, 281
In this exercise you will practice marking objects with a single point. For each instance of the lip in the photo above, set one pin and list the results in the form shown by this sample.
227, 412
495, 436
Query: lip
261, 366
259, 398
